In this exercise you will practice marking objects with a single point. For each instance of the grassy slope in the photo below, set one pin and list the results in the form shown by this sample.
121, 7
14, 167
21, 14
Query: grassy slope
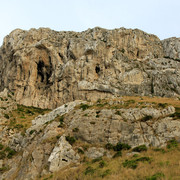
163, 164
21, 118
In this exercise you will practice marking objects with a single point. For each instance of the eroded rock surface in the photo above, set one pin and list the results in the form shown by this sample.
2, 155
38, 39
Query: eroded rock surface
134, 126
62, 155
172, 48
46, 69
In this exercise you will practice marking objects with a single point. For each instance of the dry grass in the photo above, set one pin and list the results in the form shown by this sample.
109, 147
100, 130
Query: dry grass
165, 162
131, 102
21, 118
171, 101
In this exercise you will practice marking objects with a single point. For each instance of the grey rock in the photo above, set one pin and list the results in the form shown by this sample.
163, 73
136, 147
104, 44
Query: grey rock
62, 155
171, 48
94, 152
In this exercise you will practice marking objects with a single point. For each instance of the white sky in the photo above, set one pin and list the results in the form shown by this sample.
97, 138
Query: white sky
159, 17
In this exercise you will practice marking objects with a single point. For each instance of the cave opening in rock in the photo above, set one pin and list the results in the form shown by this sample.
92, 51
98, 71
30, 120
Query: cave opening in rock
40, 69
138, 53
97, 69
60, 55
65, 160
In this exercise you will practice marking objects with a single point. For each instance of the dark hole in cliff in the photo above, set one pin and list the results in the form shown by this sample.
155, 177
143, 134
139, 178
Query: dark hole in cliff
65, 160
71, 55
61, 56
97, 69
138, 53
40, 67
50, 60
89, 51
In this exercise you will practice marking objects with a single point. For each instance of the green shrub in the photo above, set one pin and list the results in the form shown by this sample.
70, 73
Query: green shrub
117, 154
7, 149
9, 96
80, 151
84, 106
142, 159
109, 146
1, 146
58, 136
140, 148
18, 126
61, 119
176, 115
96, 159
162, 105
159, 150
89, 170
146, 118
121, 146
2, 154
118, 113
97, 112
70, 139
28, 111
131, 101
102, 164
32, 131
6, 116
105, 173
134, 163
20, 108
122, 50
130, 164
11, 153
76, 130
172, 144
156, 176
4, 168
100, 105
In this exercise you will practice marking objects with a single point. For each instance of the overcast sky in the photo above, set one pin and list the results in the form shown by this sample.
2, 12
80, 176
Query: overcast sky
159, 17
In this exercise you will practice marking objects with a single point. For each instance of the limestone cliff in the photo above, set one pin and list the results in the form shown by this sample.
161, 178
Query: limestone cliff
45, 68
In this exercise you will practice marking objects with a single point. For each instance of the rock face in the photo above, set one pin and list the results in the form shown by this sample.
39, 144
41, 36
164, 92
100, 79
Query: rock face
46, 68
62, 155
172, 48
134, 126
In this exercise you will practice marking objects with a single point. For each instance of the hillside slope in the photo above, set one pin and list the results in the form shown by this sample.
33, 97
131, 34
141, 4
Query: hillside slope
90, 105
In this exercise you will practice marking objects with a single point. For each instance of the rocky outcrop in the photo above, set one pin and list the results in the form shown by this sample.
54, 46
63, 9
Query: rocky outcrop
62, 155
171, 48
135, 126
46, 68
45, 147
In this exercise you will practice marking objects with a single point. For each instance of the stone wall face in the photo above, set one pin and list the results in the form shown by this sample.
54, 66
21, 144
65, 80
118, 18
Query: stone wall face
45, 68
